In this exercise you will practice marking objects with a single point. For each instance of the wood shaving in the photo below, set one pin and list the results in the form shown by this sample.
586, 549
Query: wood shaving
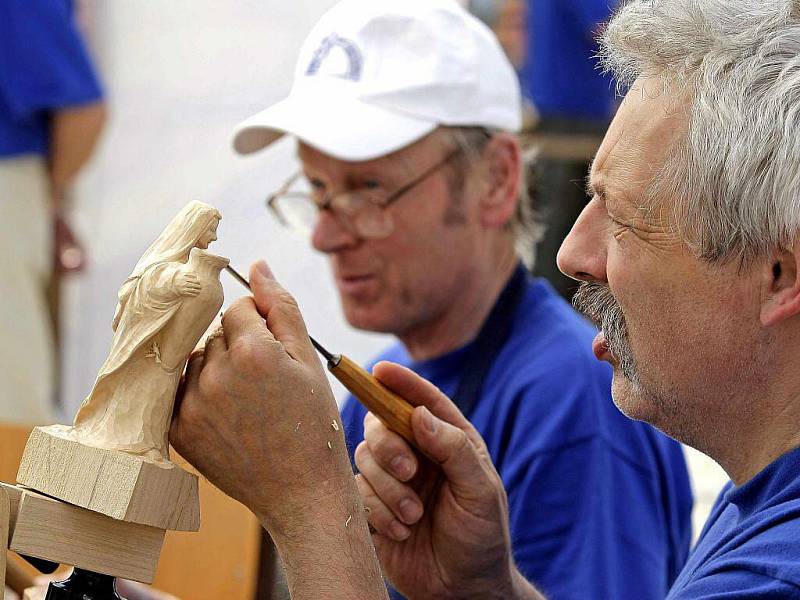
349, 518
330, 446
297, 427
312, 391
334, 425
367, 509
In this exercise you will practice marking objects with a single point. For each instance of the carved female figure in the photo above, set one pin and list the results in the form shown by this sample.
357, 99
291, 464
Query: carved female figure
164, 307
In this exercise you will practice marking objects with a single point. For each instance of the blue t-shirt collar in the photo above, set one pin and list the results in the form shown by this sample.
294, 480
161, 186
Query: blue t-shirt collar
769, 487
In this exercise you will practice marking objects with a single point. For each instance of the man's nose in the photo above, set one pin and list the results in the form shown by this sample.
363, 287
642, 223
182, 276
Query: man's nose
583, 253
329, 235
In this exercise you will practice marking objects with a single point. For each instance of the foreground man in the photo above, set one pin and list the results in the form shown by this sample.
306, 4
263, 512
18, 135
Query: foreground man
691, 254
413, 193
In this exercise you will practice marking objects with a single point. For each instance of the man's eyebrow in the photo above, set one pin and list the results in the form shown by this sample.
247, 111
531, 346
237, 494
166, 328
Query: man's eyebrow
595, 188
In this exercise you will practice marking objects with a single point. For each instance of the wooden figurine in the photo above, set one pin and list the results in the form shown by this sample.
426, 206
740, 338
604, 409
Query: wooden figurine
114, 459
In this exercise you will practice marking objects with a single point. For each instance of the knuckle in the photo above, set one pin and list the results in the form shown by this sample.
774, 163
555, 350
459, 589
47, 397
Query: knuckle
375, 432
246, 351
209, 383
286, 301
235, 308
362, 455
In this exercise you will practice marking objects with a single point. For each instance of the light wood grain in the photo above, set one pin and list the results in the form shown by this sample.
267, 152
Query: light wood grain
53, 530
35, 593
219, 561
390, 408
117, 484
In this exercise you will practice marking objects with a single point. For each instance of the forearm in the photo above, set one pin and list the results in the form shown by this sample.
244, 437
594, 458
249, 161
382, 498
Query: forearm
523, 589
74, 132
331, 556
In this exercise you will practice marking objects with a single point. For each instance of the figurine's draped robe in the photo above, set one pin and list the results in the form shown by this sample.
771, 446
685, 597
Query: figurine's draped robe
156, 327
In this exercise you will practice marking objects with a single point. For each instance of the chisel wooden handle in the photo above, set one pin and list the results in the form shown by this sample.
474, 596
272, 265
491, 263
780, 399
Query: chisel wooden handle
390, 408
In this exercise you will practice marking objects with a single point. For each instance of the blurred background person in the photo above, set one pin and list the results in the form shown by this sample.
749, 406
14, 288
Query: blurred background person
51, 114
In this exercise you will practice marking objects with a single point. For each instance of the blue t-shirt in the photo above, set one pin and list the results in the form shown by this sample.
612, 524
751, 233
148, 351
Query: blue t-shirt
750, 545
599, 505
560, 75
43, 67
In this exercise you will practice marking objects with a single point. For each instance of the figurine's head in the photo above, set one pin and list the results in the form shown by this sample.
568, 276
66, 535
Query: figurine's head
209, 235
194, 226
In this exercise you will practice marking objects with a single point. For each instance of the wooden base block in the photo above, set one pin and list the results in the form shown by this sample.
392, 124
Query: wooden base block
59, 532
35, 593
120, 485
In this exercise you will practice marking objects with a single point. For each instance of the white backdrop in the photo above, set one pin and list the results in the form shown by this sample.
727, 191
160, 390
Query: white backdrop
179, 75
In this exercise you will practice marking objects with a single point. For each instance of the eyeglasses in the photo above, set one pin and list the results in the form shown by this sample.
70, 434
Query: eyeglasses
296, 205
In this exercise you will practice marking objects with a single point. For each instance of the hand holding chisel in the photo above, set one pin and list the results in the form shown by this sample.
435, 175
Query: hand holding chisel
390, 408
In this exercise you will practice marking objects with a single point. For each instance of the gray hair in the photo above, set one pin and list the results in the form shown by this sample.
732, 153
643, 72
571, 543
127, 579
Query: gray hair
525, 225
736, 175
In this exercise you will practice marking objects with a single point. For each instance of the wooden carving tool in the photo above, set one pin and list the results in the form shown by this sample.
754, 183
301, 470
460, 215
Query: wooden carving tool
390, 408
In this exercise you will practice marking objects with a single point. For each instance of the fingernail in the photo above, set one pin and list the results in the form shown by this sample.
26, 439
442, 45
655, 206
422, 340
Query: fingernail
402, 467
399, 531
429, 421
409, 510
263, 268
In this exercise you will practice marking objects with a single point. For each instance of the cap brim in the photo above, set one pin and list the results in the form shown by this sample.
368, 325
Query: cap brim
341, 126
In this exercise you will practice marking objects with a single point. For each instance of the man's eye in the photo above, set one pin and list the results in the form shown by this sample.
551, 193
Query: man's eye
371, 184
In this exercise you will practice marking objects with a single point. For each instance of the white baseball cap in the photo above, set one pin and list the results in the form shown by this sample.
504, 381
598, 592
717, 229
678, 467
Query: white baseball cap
373, 76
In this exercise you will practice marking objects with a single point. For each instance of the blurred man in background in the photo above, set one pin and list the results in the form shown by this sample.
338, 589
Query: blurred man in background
51, 114
405, 113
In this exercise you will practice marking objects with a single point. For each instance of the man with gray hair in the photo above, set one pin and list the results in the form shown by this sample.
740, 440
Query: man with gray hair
689, 255
690, 261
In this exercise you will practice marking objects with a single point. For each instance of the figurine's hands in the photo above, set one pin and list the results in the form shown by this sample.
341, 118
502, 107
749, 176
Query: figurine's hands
187, 284
256, 417
441, 523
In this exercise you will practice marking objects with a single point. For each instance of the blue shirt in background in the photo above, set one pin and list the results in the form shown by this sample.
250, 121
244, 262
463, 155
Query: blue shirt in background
560, 75
44, 66
750, 545
599, 505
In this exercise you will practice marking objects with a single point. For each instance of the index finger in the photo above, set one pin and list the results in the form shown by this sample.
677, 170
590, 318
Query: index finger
243, 319
419, 392
281, 313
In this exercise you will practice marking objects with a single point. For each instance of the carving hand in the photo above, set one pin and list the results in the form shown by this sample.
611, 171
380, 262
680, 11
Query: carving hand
255, 417
441, 523
187, 284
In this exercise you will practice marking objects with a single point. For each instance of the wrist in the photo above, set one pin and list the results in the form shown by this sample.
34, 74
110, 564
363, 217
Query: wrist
522, 589
305, 511
328, 548
510, 586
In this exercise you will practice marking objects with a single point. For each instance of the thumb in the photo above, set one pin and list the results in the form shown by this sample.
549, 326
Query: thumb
279, 309
464, 462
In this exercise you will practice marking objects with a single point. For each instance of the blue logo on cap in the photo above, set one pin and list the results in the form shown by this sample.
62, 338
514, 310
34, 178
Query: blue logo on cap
351, 52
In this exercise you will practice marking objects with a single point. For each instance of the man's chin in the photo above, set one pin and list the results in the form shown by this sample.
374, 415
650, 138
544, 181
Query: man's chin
366, 320
628, 398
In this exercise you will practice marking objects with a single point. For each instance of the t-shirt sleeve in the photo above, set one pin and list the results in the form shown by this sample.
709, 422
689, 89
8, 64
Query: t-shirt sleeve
44, 64
590, 14
584, 525
741, 584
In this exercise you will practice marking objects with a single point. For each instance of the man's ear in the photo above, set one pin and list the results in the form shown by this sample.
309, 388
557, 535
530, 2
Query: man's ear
781, 299
504, 164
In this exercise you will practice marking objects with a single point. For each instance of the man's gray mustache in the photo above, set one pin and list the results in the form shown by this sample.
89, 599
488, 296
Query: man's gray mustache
596, 301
